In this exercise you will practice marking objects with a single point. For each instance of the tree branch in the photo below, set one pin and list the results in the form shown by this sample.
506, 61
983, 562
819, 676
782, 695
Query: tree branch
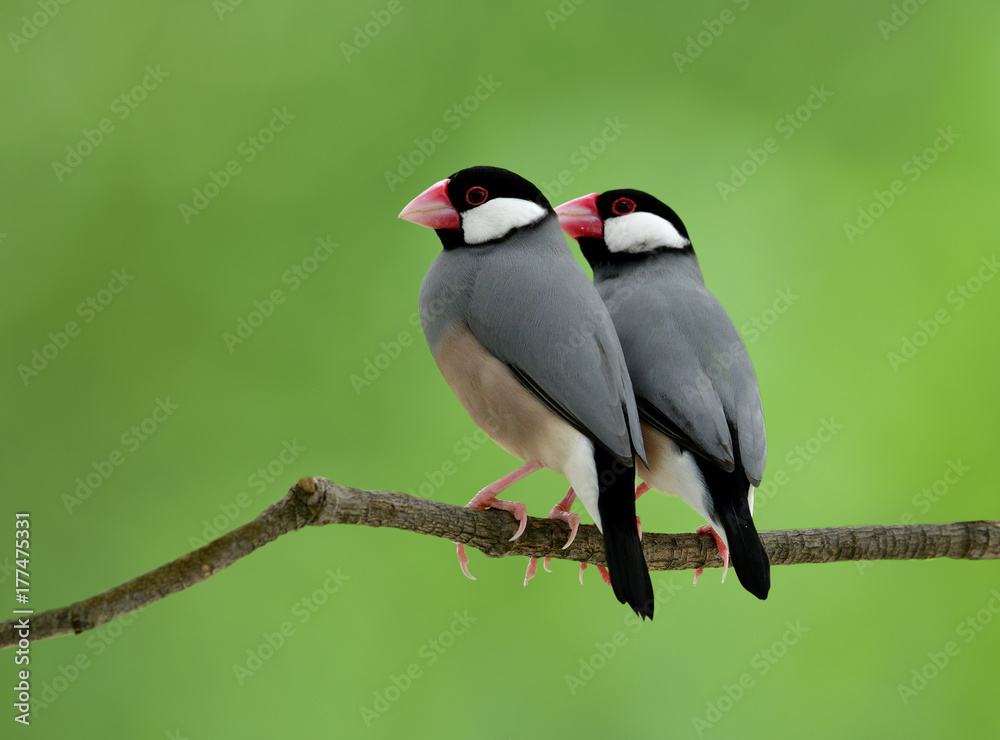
318, 501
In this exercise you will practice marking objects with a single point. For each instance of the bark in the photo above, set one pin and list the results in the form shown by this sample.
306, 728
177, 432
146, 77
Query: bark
318, 501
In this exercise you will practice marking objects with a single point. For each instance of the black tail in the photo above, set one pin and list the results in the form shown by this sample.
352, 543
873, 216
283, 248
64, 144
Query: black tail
729, 496
616, 505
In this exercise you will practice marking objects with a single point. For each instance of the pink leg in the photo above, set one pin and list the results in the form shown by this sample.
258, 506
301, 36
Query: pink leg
487, 499
723, 552
643, 487
559, 511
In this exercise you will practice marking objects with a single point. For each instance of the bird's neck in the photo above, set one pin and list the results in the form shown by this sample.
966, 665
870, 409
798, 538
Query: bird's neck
670, 261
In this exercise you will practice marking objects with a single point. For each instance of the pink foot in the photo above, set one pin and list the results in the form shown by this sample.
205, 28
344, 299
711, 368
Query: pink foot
559, 511
723, 552
533, 568
487, 499
601, 569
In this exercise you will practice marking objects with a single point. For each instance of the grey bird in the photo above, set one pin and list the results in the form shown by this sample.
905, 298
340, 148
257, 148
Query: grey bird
702, 421
525, 342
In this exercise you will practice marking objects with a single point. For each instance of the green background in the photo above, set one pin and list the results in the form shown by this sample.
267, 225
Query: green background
683, 124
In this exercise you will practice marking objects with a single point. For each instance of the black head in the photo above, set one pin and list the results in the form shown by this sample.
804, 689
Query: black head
623, 225
474, 186
478, 205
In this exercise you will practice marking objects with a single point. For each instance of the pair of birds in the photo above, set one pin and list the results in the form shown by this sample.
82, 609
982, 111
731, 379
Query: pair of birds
641, 371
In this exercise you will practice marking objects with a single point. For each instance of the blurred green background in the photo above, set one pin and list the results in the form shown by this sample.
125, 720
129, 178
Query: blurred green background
375, 101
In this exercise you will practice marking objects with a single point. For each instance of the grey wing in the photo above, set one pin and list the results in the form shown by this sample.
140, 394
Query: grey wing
546, 321
693, 376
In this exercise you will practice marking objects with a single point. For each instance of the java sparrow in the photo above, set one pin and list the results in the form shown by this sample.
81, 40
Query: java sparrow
702, 421
525, 342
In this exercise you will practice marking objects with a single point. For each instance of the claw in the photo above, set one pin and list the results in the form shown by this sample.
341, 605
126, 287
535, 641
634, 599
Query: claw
723, 552
463, 560
559, 511
562, 511
518, 509
530, 572
600, 568
487, 499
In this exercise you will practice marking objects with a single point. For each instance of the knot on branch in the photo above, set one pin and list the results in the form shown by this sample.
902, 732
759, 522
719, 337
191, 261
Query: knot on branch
306, 502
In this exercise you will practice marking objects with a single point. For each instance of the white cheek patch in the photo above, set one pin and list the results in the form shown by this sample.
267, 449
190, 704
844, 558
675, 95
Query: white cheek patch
641, 232
498, 217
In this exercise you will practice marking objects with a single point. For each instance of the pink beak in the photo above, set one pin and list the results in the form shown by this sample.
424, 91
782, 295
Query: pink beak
580, 218
433, 209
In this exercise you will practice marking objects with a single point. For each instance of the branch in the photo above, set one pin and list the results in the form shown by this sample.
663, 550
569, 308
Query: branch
318, 501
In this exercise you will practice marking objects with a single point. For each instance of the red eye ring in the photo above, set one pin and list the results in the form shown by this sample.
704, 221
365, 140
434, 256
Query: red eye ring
623, 206
476, 196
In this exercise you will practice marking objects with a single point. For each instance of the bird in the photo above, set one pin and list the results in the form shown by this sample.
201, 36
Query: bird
522, 338
699, 402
